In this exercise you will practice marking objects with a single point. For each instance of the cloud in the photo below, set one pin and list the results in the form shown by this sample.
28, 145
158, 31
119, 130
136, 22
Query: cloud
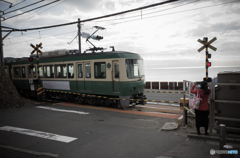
110, 5
170, 39
219, 28
84, 5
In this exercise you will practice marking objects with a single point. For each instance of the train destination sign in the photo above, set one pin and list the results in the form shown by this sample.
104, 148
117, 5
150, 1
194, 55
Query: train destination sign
60, 85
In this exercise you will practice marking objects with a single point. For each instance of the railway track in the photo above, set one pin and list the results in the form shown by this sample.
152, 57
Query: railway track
155, 108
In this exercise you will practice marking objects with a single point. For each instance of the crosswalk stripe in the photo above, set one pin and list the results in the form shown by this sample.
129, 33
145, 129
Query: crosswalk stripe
40, 134
62, 110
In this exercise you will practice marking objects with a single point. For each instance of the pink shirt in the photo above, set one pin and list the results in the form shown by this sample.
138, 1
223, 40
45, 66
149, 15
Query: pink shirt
204, 102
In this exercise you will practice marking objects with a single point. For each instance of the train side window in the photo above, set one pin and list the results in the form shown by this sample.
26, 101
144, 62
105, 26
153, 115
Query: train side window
88, 70
100, 70
34, 72
52, 72
5, 68
70, 71
23, 72
17, 72
116, 70
80, 71
40, 71
61, 71
29, 72
48, 71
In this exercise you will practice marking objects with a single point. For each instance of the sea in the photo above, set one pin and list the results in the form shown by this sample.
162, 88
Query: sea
177, 74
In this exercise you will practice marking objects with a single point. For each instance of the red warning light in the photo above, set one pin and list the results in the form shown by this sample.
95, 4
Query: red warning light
209, 64
30, 59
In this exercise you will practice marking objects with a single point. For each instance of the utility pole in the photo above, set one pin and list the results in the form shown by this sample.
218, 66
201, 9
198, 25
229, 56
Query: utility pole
79, 35
1, 44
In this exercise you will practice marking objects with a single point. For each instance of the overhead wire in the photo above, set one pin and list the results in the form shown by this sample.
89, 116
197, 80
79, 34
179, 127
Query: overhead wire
23, 7
36, 31
92, 19
30, 10
152, 5
38, 38
168, 13
157, 15
14, 5
148, 13
31, 16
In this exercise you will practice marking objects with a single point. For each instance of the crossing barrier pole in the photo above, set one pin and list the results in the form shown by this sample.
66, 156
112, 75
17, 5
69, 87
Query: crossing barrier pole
184, 110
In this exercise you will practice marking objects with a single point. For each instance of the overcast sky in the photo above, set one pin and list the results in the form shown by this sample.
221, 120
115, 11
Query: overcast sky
166, 34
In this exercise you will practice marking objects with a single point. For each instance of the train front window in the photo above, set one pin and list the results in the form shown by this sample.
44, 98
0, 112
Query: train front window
134, 68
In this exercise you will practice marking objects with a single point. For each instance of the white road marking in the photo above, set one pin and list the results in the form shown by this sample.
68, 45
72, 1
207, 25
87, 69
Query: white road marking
168, 104
40, 134
62, 110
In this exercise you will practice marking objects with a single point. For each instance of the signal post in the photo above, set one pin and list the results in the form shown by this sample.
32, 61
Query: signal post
36, 48
207, 45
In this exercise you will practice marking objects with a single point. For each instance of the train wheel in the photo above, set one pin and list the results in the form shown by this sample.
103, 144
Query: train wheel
101, 102
66, 97
107, 102
88, 101
47, 95
94, 101
81, 100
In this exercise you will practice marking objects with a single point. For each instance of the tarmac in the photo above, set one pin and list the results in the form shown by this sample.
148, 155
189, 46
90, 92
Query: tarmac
138, 135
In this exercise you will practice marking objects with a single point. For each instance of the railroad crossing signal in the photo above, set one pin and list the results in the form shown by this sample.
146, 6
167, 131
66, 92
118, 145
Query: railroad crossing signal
30, 58
207, 45
36, 49
31, 66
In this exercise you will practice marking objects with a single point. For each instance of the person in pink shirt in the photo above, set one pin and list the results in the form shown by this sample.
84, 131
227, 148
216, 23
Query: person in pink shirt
203, 111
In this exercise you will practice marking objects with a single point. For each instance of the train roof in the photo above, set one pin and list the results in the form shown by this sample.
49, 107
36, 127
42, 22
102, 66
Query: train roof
77, 56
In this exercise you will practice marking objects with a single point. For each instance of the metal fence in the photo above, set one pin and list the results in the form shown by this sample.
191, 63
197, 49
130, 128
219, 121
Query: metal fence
213, 101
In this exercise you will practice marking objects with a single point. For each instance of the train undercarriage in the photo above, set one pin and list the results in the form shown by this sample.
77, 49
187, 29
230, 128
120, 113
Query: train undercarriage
89, 99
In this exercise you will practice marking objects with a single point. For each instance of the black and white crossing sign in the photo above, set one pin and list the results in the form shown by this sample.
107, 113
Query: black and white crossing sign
207, 44
36, 48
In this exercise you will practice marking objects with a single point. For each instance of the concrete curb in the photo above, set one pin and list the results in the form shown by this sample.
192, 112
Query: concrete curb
9, 151
213, 137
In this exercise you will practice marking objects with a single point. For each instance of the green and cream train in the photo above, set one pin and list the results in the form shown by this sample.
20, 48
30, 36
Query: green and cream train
105, 78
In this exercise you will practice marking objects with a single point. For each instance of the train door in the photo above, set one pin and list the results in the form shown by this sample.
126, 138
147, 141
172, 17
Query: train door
84, 76
80, 76
87, 76
116, 76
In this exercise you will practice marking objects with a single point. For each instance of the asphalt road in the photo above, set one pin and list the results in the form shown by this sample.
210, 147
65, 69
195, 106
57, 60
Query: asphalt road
99, 134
